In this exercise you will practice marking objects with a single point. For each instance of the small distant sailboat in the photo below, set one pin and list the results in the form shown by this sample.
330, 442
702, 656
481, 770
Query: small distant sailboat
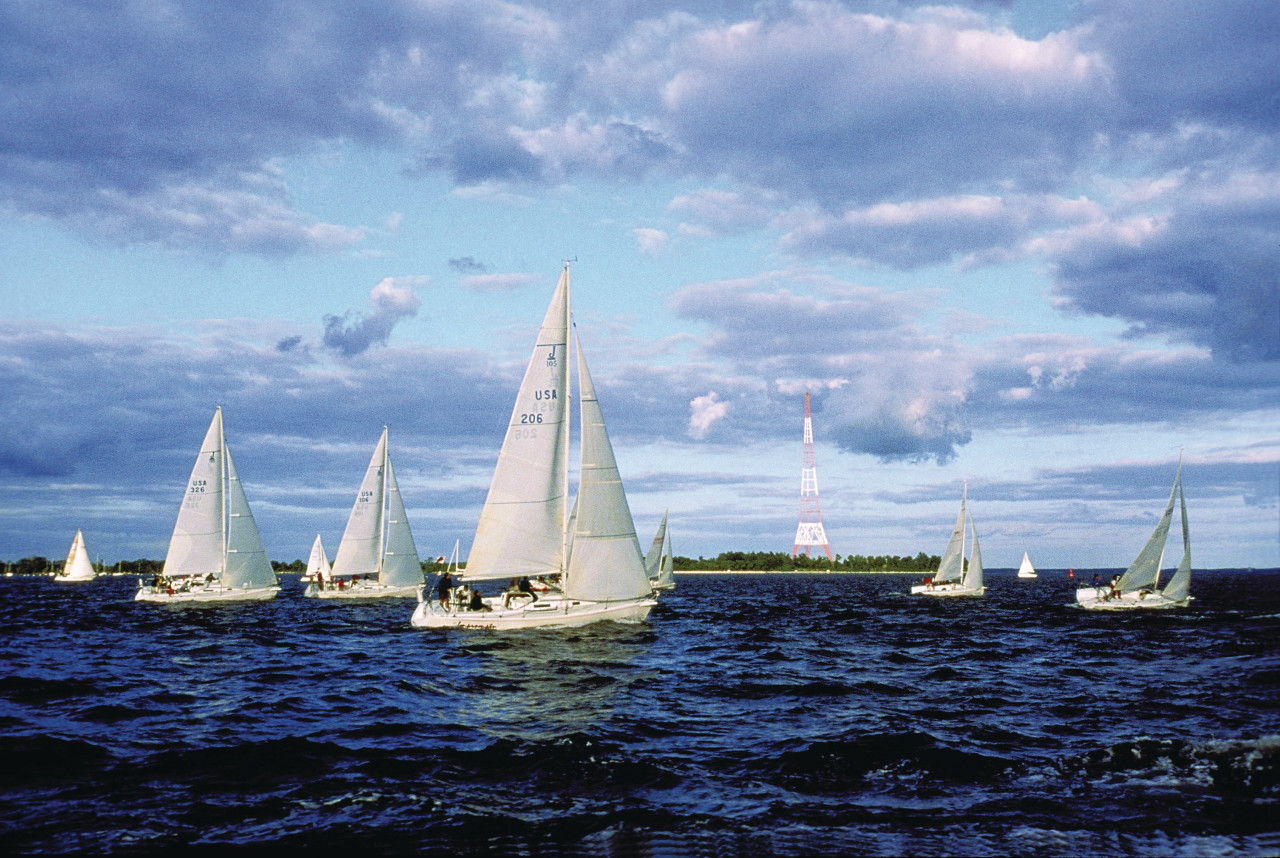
77, 568
952, 578
591, 559
1026, 570
658, 565
1139, 586
216, 552
317, 564
377, 557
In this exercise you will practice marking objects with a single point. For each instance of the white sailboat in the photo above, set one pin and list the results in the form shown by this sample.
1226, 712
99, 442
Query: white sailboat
215, 553
377, 557
78, 568
1026, 570
1139, 586
952, 578
592, 558
657, 562
317, 564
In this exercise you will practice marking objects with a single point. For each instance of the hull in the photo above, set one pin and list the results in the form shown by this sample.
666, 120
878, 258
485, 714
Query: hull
362, 591
62, 579
1028, 575
544, 612
661, 587
946, 590
1095, 599
203, 595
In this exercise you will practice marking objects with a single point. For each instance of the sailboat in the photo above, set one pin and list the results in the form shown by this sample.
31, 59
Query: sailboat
377, 557
1139, 586
658, 565
1026, 570
215, 553
317, 564
591, 560
952, 578
77, 567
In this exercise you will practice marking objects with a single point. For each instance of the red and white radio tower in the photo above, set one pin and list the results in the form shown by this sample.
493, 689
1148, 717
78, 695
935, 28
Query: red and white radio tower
810, 532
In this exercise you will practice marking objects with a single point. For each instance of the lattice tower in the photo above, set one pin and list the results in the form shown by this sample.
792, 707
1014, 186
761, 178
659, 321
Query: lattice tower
810, 532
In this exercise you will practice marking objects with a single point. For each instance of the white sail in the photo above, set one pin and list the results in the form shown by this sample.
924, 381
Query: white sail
607, 564
400, 564
522, 526
973, 576
1145, 569
1026, 570
667, 572
198, 543
360, 551
247, 566
653, 559
1179, 586
78, 567
951, 568
318, 568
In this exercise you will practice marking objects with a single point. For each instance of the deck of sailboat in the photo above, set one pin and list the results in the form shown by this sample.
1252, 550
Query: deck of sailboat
371, 590
946, 590
1095, 599
205, 594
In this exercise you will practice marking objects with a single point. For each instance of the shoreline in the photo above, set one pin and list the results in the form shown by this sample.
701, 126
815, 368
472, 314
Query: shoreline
795, 572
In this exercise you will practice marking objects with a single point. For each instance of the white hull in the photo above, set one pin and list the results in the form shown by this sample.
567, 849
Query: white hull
1095, 599
660, 587
64, 579
547, 611
1028, 575
363, 591
946, 590
204, 594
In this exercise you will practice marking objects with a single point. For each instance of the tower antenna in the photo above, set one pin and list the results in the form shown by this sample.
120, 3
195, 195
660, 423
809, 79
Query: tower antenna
810, 532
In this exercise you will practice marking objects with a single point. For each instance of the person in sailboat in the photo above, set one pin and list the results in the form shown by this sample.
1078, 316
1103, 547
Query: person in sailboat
1114, 592
443, 586
477, 602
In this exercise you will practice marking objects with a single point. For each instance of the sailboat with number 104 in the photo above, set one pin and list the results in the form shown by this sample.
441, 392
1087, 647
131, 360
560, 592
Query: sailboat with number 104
590, 562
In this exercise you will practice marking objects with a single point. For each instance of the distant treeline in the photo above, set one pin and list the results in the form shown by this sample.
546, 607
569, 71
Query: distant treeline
737, 561
782, 561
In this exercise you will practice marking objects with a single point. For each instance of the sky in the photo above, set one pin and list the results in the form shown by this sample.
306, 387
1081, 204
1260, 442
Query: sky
1024, 249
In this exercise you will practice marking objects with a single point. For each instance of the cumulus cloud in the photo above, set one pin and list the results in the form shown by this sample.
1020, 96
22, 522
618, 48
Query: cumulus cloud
704, 412
354, 333
651, 241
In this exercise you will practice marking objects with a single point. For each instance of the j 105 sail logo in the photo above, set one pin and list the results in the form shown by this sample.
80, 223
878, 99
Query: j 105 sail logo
551, 358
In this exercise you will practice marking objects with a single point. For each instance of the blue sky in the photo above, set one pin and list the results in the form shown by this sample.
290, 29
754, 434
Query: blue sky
1032, 246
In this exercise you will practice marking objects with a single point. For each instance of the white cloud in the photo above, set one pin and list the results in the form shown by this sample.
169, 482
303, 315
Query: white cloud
705, 412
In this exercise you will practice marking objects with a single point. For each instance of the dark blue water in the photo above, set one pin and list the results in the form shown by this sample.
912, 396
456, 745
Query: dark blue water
786, 715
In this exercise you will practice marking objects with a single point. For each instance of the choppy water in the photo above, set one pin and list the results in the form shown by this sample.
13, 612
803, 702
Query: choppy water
788, 715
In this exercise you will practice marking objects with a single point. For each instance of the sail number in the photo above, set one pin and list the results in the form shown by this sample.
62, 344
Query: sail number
198, 486
365, 497
526, 419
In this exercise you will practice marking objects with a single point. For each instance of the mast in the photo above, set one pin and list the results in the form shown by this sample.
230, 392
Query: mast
382, 505
222, 480
964, 505
567, 430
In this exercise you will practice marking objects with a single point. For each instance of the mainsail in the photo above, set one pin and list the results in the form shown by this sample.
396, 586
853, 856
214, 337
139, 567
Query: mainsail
653, 559
667, 574
1145, 569
607, 564
522, 526
197, 545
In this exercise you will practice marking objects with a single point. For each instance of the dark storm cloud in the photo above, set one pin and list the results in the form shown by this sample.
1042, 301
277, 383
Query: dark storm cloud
354, 333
